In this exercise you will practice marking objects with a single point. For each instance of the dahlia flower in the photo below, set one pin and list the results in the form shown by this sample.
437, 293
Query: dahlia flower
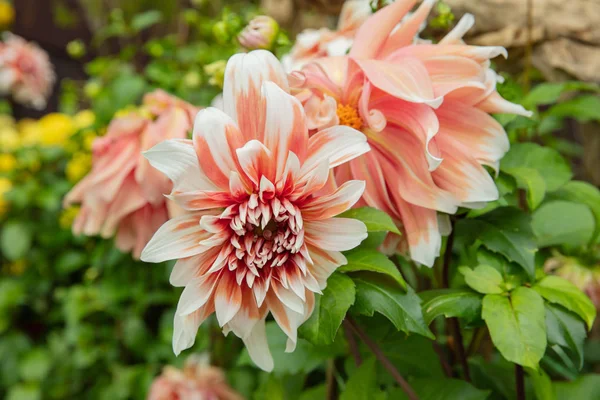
197, 381
122, 194
424, 109
314, 43
25, 71
258, 233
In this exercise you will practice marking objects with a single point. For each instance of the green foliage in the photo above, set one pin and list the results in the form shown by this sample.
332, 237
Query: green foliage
443, 389
483, 279
362, 384
451, 303
566, 330
374, 293
517, 325
330, 309
563, 223
562, 292
375, 220
505, 230
365, 259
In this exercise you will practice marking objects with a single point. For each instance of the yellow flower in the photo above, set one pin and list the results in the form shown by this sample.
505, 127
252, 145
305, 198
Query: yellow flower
9, 138
84, 119
68, 216
5, 187
88, 139
7, 14
78, 166
7, 162
31, 132
56, 129
216, 72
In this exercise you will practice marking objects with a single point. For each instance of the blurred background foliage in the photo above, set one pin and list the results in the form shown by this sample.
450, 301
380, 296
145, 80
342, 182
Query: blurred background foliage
79, 319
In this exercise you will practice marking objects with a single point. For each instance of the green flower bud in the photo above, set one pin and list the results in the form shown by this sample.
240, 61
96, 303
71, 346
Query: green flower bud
260, 33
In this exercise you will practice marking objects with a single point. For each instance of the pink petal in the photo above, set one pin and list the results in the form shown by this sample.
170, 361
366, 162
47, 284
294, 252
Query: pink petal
342, 199
185, 327
285, 128
197, 292
337, 144
256, 160
177, 238
243, 100
336, 234
406, 79
373, 34
228, 298
324, 264
216, 137
201, 200
188, 268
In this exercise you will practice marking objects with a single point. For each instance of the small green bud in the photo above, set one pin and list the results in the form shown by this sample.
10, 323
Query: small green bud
260, 33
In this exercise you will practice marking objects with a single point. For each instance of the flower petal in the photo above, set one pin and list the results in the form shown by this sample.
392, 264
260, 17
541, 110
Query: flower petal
328, 206
337, 234
177, 159
185, 327
177, 238
228, 298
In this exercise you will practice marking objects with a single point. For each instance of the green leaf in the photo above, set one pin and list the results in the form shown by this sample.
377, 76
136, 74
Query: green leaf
35, 365
542, 385
517, 325
361, 259
16, 240
145, 20
330, 310
317, 392
582, 108
505, 230
24, 392
374, 293
585, 193
362, 384
549, 92
304, 359
553, 168
566, 330
561, 222
451, 303
532, 181
586, 387
560, 291
442, 389
375, 220
483, 279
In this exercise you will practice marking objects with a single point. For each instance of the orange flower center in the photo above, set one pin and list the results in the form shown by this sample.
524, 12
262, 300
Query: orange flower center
348, 116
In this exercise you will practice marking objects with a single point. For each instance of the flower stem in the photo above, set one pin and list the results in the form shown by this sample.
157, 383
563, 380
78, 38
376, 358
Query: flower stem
520, 382
330, 379
352, 344
387, 364
453, 323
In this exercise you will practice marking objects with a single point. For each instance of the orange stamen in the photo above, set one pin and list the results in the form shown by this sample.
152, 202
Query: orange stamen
348, 116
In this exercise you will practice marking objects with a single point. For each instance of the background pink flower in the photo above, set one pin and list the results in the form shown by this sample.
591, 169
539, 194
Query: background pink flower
258, 235
122, 194
197, 381
314, 43
25, 71
424, 109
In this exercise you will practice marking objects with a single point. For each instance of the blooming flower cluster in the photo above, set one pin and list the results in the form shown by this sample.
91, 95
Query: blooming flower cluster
259, 185
424, 109
25, 71
122, 194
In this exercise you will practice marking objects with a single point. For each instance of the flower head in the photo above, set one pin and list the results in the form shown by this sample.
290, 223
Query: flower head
122, 194
258, 233
197, 380
424, 109
25, 71
260, 33
312, 43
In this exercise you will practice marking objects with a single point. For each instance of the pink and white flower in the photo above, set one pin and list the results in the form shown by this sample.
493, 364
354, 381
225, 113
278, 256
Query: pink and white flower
425, 111
258, 233
315, 43
122, 194
197, 381
25, 71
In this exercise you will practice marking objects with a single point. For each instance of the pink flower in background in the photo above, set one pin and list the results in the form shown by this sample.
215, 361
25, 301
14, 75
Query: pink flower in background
122, 194
258, 234
197, 381
424, 109
25, 72
312, 43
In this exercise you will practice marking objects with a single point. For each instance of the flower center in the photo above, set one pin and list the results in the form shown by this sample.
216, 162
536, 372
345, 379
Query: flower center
265, 233
348, 116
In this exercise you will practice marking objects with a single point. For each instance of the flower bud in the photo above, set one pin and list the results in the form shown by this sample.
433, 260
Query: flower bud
260, 33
